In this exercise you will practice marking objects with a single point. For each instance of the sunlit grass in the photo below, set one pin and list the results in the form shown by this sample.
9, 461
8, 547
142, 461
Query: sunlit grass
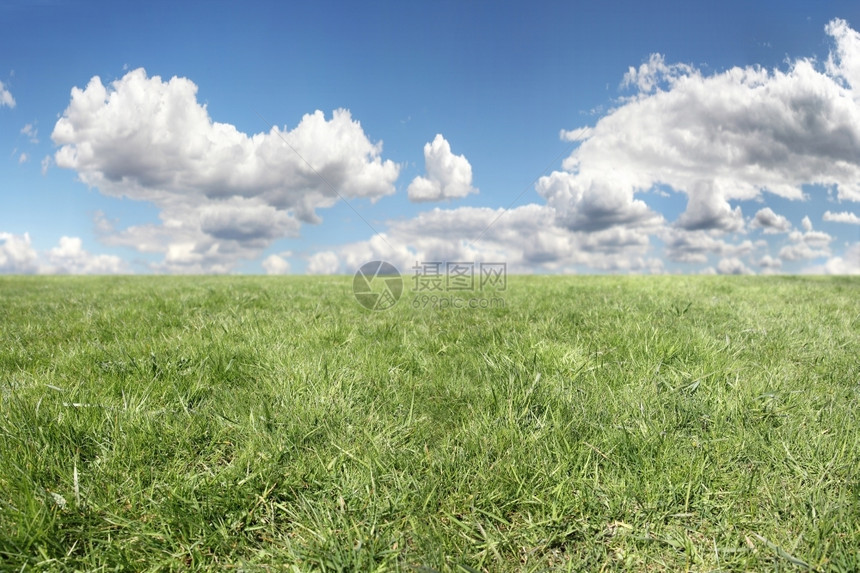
667, 423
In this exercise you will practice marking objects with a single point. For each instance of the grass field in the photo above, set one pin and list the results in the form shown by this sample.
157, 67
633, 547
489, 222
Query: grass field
593, 423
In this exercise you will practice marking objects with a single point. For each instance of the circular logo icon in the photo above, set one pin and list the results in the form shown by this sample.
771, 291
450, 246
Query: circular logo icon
377, 285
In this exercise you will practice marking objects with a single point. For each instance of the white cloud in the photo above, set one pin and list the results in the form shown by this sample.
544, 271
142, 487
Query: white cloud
771, 222
694, 246
223, 195
733, 266
46, 163
31, 132
17, 255
23, 158
770, 262
70, 257
810, 244
716, 138
525, 238
843, 217
580, 134
648, 76
448, 176
720, 139
708, 210
596, 204
849, 264
6, 97
276, 264
844, 62
323, 263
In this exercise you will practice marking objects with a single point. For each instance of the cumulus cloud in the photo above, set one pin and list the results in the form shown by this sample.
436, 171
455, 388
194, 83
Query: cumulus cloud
23, 158
771, 222
810, 244
17, 255
276, 264
525, 238
849, 264
596, 204
695, 246
733, 266
843, 217
718, 138
69, 257
6, 98
223, 195
448, 176
323, 263
770, 264
844, 61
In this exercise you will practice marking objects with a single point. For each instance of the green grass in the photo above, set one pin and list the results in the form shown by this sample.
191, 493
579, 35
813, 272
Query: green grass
594, 423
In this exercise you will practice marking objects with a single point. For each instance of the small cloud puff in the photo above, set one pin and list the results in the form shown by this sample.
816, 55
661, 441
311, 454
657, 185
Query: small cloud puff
448, 176
6, 97
771, 222
276, 264
843, 217
31, 132
323, 263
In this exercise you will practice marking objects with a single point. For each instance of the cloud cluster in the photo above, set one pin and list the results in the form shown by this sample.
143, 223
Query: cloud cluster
448, 176
525, 238
223, 195
18, 256
716, 139
810, 244
685, 246
848, 264
727, 136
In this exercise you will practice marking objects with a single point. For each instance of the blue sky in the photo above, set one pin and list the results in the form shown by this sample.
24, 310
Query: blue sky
559, 137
